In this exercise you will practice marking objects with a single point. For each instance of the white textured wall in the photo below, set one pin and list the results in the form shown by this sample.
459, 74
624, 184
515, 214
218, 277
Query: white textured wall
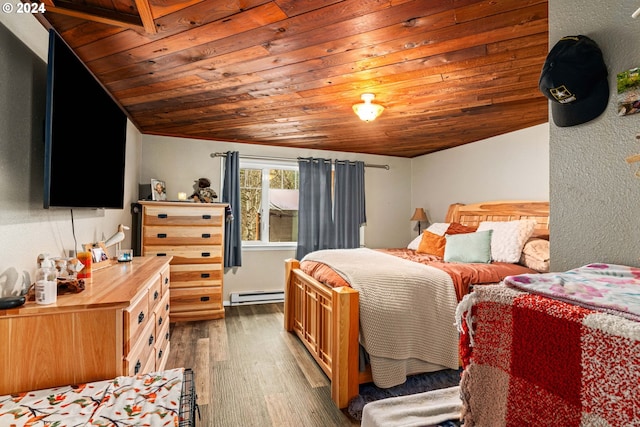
595, 197
513, 166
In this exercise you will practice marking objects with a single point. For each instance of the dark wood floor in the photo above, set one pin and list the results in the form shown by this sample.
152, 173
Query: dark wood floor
250, 372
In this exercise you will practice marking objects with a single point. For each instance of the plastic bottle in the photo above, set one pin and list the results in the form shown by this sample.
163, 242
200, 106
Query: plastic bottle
46, 283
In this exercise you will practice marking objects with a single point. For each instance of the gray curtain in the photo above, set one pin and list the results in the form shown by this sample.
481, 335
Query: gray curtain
231, 195
315, 224
349, 205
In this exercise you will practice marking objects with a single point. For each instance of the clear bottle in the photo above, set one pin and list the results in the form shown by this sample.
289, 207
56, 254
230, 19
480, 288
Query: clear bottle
46, 282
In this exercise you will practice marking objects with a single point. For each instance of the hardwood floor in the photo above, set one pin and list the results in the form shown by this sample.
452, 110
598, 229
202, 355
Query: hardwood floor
250, 372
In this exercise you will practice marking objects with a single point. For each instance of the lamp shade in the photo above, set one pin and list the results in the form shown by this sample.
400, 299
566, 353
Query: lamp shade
366, 110
419, 215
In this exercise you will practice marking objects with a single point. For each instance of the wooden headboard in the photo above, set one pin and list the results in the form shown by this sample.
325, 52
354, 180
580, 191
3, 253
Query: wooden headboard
473, 214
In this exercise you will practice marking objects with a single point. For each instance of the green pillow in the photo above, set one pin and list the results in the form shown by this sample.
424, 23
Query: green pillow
468, 247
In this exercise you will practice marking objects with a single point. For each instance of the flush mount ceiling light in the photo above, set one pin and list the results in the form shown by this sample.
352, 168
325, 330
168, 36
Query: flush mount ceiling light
366, 110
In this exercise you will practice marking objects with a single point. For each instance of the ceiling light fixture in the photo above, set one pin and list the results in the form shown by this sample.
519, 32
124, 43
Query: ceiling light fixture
366, 110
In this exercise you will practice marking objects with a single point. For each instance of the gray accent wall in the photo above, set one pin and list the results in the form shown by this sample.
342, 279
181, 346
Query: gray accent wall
594, 193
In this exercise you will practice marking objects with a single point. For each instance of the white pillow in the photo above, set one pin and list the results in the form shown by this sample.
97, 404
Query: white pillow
508, 238
438, 228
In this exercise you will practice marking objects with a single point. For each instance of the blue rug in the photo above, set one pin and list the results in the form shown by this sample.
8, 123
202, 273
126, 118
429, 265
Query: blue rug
414, 384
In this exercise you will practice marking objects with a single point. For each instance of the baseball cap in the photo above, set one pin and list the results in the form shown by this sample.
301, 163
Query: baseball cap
574, 78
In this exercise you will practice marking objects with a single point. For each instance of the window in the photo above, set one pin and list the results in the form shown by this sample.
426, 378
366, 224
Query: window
269, 203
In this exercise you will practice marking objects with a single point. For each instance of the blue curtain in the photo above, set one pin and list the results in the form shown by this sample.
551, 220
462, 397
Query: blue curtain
349, 204
315, 223
231, 195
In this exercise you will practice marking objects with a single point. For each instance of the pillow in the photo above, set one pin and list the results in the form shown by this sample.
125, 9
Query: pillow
468, 247
413, 245
535, 255
457, 228
432, 244
508, 238
438, 228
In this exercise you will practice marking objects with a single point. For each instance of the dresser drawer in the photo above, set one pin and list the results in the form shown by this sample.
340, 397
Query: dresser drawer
195, 299
165, 279
189, 275
183, 215
135, 318
185, 235
155, 294
161, 350
187, 254
137, 360
162, 312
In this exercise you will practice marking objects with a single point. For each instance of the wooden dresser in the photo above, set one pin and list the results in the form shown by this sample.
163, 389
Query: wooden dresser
118, 325
193, 234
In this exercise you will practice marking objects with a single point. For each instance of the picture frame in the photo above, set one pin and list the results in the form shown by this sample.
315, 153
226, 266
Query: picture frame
158, 189
99, 255
628, 88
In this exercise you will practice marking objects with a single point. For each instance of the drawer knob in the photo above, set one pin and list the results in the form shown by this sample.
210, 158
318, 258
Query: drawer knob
159, 321
166, 336
137, 367
166, 280
206, 254
161, 254
166, 307
206, 216
163, 216
204, 298
162, 235
206, 235
160, 354
141, 317
205, 275
156, 294
151, 339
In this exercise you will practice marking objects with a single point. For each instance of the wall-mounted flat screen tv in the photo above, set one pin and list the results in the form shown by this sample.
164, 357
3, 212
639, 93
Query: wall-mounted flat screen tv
85, 136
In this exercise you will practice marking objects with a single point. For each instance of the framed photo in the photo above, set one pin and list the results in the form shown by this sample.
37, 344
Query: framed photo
158, 190
628, 83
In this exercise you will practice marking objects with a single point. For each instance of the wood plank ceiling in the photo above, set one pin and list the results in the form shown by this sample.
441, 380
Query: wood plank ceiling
287, 72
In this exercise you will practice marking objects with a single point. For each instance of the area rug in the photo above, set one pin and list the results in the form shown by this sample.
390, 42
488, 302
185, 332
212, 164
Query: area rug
415, 384
431, 408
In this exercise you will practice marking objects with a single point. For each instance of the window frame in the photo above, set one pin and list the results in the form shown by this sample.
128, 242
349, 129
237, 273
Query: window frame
264, 165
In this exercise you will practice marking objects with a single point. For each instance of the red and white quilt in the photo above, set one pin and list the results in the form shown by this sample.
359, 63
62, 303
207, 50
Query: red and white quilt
540, 361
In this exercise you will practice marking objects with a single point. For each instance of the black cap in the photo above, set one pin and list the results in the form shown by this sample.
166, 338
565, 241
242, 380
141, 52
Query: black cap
574, 78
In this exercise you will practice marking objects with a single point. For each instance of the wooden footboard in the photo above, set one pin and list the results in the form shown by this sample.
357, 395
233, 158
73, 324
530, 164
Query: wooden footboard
326, 321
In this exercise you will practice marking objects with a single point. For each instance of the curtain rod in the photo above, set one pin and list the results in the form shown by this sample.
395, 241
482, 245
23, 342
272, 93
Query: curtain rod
367, 165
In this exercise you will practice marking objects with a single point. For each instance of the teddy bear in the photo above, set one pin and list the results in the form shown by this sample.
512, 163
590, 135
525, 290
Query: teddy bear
203, 192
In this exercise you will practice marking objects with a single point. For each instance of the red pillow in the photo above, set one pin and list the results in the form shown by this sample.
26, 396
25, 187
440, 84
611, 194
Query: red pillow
432, 244
457, 228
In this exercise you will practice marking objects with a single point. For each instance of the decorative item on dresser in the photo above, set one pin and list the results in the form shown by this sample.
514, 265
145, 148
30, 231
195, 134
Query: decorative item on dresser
117, 326
193, 234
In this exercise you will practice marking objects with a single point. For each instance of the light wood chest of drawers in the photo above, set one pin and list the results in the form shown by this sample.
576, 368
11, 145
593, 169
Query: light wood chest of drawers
193, 235
118, 325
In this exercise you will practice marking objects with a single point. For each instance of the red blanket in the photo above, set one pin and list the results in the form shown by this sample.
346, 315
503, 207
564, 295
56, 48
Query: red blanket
543, 362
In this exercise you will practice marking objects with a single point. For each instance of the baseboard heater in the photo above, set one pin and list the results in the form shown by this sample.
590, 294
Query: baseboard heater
255, 297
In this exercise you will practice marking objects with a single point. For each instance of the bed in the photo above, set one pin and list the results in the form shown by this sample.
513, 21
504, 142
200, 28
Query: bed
163, 398
553, 349
329, 317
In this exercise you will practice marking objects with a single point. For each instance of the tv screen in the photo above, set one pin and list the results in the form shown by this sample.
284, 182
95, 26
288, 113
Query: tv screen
85, 136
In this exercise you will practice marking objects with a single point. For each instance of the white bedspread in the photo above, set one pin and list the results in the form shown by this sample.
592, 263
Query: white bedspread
407, 310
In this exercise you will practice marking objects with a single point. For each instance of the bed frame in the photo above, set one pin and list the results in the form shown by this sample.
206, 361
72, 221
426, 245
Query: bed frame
327, 319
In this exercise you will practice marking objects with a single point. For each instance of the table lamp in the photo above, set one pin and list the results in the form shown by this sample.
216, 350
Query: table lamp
419, 215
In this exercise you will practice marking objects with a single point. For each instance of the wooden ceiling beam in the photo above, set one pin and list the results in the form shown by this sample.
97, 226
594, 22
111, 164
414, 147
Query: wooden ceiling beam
143, 21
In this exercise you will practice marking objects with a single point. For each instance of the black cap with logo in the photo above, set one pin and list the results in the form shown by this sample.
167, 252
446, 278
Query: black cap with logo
574, 78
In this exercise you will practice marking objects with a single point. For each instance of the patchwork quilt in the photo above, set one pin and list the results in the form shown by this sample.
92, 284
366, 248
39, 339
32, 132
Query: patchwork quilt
537, 360
144, 400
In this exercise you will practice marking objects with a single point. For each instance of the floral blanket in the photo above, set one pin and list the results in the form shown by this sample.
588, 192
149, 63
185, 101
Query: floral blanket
606, 287
150, 399
539, 361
